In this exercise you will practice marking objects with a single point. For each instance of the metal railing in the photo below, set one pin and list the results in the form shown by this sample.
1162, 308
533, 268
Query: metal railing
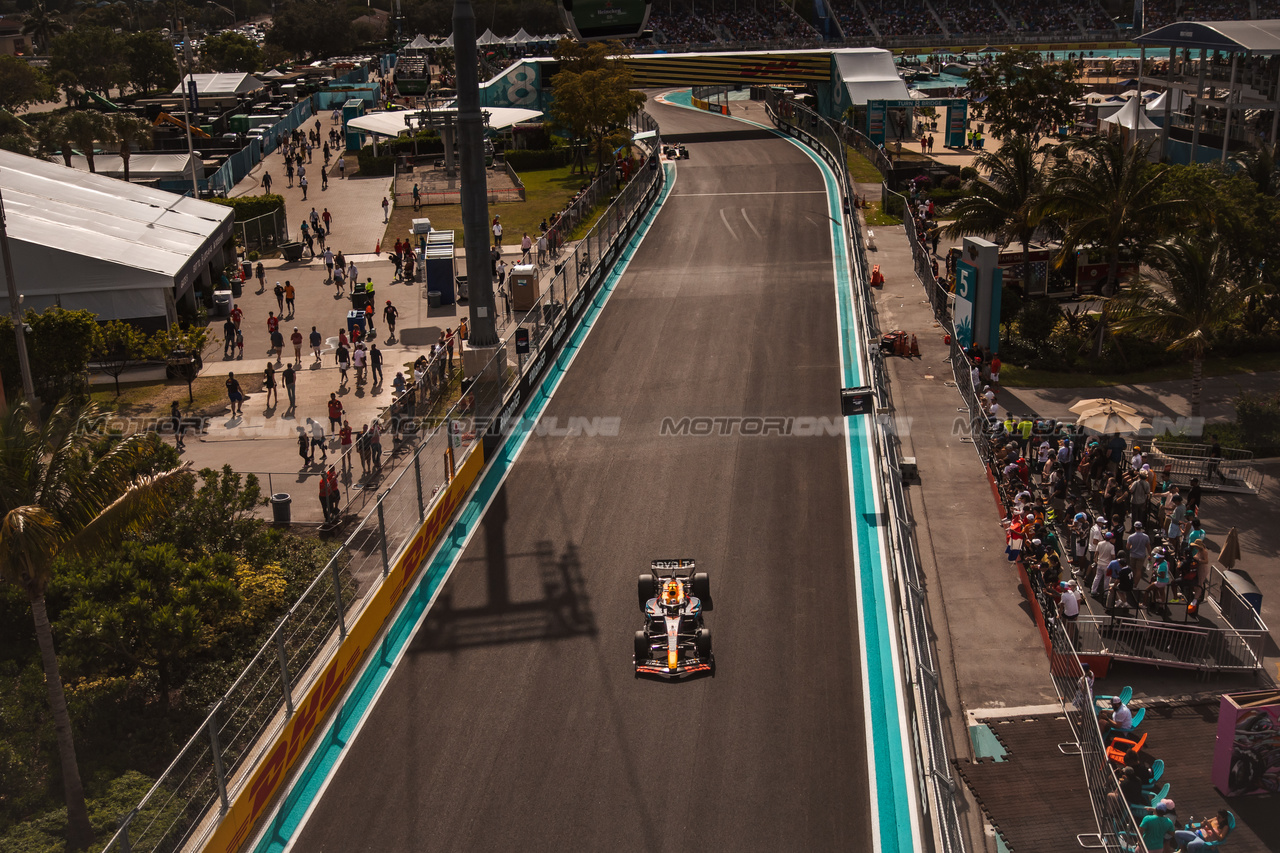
1233, 470
263, 232
1116, 827
939, 804
188, 799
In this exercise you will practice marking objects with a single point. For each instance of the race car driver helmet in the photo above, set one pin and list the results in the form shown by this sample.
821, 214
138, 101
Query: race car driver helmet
671, 592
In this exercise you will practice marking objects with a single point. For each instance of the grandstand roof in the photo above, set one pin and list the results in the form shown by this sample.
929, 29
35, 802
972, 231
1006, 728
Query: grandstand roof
1254, 37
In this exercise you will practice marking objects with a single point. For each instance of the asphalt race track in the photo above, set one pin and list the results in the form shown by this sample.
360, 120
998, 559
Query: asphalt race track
515, 721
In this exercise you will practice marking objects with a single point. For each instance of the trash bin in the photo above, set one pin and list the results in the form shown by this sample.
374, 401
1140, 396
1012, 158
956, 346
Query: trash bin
237, 288
280, 508
1243, 584
355, 318
360, 299
246, 270
292, 251
222, 303
433, 299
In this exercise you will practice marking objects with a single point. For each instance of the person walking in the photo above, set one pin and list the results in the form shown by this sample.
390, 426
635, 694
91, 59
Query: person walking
344, 443
324, 179
368, 316
375, 445
288, 170
316, 342
302, 182
304, 447
389, 315
336, 412
448, 344
353, 274
260, 273
289, 294
296, 340
375, 364
266, 183
290, 378
342, 166
229, 338
326, 505
269, 384
339, 277
342, 356
327, 217
175, 421
417, 197
234, 394
543, 256
526, 244
318, 439
278, 290
386, 209
328, 264
358, 359
497, 232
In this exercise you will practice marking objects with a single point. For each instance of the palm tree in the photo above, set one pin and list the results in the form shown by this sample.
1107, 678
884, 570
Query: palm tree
42, 24
1107, 197
1260, 166
128, 129
86, 129
1197, 299
53, 138
59, 499
1007, 204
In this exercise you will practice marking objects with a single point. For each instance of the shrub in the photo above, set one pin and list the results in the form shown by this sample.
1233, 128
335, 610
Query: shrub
1258, 418
526, 159
251, 206
372, 166
952, 182
968, 173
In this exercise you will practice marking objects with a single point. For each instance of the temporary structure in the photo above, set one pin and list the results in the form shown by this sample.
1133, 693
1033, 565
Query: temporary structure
1096, 403
1110, 421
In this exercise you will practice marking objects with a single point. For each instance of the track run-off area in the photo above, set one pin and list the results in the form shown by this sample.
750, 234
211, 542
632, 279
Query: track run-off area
502, 712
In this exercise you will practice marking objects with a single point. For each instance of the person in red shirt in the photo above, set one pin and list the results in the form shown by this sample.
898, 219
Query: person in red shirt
344, 436
335, 493
296, 340
236, 315
342, 338
273, 322
335, 413
995, 368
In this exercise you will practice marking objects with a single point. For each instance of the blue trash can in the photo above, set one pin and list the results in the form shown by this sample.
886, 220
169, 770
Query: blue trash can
354, 319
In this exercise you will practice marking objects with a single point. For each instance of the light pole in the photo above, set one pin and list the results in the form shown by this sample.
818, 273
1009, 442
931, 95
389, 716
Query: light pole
15, 311
475, 200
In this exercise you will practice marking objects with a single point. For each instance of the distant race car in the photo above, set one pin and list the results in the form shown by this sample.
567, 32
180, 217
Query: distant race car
675, 643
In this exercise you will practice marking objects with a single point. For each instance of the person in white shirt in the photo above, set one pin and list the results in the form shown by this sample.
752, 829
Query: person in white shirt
1105, 553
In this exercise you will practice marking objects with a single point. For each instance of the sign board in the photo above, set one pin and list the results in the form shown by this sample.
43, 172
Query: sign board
966, 290
857, 401
597, 20
522, 341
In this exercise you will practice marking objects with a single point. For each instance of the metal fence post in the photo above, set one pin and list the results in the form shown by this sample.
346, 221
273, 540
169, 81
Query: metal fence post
285, 686
382, 534
417, 478
219, 774
337, 592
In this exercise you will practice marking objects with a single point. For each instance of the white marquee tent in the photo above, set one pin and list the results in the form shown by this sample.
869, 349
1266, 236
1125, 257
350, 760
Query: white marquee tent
123, 251
870, 75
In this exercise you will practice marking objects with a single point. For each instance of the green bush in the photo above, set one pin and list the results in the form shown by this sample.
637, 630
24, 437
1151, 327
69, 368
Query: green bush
1258, 417
952, 182
372, 166
968, 173
528, 159
251, 206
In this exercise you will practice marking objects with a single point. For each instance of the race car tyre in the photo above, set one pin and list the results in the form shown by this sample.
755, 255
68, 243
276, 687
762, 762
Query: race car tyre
703, 640
646, 588
642, 647
702, 588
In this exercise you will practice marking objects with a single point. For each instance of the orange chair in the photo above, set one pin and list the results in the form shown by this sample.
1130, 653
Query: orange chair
1120, 746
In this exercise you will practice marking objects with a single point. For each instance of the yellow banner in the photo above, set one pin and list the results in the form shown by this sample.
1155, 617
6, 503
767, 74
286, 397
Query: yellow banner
252, 800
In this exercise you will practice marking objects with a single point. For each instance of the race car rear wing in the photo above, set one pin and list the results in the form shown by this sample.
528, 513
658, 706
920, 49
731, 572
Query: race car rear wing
684, 565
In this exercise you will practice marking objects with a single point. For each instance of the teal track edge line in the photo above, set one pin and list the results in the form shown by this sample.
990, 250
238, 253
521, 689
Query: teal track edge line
302, 793
889, 780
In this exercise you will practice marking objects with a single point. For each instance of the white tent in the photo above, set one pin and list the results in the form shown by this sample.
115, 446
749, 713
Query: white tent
521, 37
1131, 122
142, 167
870, 75
1180, 102
123, 251
447, 42
488, 38
392, 123
419, 43
220, 84
272, 74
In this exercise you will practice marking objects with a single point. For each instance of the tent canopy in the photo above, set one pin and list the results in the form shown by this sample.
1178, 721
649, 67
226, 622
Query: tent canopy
142, 167
488, 38
392, 123
220, 84
1131, 116
419, 43
870, 75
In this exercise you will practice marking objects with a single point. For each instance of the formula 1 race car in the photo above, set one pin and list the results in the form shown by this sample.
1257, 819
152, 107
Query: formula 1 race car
675, 643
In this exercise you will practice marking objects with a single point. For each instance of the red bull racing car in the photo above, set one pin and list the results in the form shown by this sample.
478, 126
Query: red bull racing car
674, 643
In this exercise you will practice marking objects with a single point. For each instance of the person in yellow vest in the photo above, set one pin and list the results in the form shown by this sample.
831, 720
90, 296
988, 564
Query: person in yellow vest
1024, 432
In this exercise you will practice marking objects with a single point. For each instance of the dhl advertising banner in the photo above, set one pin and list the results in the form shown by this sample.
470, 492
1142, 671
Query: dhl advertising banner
710, 69
253, 798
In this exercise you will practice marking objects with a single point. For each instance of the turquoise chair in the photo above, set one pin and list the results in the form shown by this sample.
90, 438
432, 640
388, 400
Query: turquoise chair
1140, 810
1157, 770
1112, 733
1126, 694
1231, 827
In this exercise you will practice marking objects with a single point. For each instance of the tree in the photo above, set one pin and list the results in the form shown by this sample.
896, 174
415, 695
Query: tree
59, 344
311, 28
1007, 204
592, 93
16, 135
231, 51
152, 64
1108, 197
58, 499
42, 24
129, 130
1259, 164
22, 85
52, 138
120, 345
1197, 300
146, 608
86, 128
1019, 94
92, 58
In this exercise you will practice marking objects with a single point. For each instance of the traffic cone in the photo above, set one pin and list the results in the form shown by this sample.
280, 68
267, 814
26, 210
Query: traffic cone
915, 347
377, 249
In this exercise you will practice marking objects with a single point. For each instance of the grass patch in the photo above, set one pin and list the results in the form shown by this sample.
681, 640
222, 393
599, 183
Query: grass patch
876, 216
861, 169
151, 399
1013, 376
546, 191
